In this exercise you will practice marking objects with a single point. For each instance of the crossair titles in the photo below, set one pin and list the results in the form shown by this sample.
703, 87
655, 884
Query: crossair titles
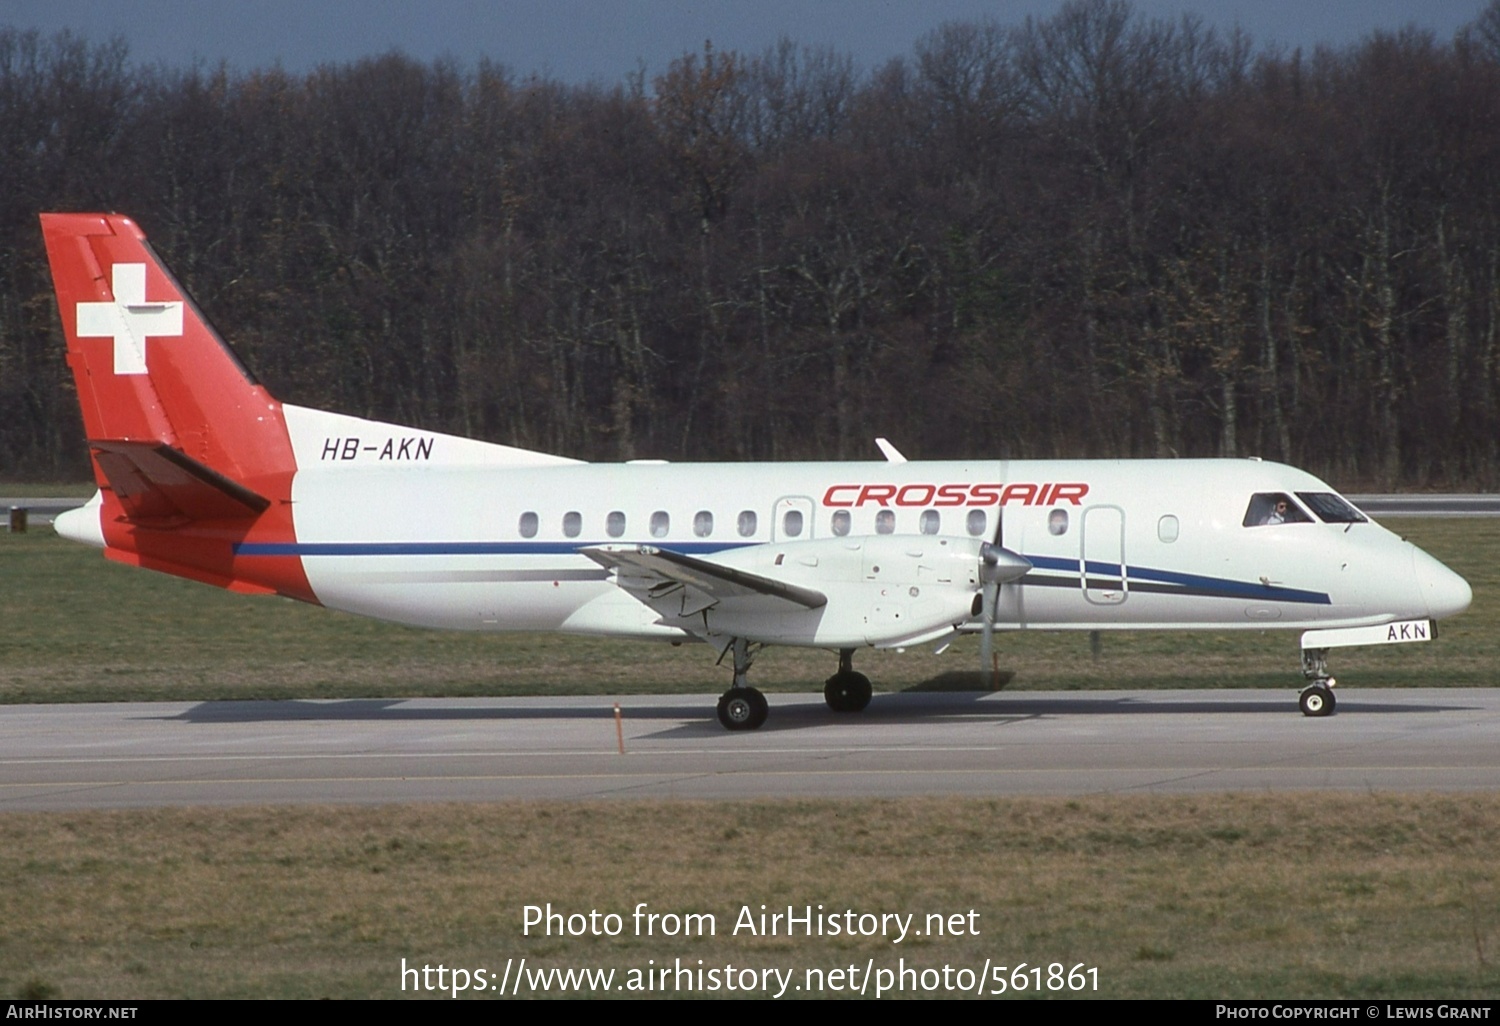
956, 494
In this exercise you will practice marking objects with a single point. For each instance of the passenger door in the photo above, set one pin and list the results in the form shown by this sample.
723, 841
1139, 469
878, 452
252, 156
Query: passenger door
1102, 574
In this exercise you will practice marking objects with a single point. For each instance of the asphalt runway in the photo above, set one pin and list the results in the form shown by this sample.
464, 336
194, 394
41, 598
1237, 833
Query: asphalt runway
471, 750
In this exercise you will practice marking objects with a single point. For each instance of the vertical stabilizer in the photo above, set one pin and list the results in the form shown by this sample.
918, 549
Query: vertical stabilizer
191, 454
148, 366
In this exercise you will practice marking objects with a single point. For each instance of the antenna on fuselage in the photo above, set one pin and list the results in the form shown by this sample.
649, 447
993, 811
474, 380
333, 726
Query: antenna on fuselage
889, 451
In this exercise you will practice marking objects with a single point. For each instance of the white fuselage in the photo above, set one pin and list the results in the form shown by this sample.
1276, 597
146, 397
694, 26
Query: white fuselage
1113, 544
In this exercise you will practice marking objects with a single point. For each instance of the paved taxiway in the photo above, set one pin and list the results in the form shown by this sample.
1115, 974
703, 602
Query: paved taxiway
371, 751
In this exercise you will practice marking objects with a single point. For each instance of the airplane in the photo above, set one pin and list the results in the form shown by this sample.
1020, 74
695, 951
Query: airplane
203, 474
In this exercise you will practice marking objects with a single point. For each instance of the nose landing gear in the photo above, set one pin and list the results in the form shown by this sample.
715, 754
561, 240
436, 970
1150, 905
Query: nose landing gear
1317, 698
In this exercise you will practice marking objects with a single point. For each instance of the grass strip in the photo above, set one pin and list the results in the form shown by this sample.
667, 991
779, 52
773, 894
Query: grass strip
1219, 896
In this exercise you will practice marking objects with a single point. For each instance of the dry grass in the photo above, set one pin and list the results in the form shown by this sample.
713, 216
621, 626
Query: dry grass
1220, 896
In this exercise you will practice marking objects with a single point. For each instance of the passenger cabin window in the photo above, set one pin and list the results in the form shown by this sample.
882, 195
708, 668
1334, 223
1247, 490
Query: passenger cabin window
1271, 508
528, 525
841, 522
1167, 528
976, 522
614, 524
660, 524
746, 523
1057, 522
791, 523
572, 524
930, 522
703, 523
885, 522
1332, 509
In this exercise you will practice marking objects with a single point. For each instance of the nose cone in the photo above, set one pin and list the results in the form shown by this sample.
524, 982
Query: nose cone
1446, 593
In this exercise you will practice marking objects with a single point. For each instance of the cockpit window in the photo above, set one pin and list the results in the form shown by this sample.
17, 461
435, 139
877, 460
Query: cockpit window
1331, 508
1274, 508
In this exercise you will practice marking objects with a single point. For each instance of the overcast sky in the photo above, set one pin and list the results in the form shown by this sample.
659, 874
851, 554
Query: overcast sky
603, 40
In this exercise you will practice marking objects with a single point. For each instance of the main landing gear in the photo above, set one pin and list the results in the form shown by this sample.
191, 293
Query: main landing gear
742, 707
1317, 698
847, 691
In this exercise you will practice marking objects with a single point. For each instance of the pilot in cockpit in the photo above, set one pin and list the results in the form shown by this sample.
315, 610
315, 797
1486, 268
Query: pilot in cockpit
1268, 508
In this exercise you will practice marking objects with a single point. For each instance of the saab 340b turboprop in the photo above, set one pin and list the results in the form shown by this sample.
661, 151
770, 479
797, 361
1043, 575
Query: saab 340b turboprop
203, 474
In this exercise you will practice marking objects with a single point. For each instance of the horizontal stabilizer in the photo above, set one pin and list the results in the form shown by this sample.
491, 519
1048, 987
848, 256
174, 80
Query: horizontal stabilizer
156, 483
647, 568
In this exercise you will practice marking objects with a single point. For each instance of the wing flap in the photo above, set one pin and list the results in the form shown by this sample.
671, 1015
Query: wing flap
658, 575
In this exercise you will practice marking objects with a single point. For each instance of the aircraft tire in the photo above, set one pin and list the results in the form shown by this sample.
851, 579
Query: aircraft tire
743, 709
1316, 701
847, 692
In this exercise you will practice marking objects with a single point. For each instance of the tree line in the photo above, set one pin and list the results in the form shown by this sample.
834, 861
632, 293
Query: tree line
1094, 234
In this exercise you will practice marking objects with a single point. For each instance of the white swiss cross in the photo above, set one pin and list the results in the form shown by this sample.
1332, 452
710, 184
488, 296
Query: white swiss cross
129, 320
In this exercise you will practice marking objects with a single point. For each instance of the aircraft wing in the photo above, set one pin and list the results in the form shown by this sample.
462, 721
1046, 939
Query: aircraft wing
680, 585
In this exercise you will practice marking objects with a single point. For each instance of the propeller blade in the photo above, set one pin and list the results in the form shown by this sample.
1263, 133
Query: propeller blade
988, 660
996, 569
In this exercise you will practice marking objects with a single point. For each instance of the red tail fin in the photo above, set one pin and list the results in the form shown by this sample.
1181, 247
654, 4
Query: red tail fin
191, 453
149, 368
